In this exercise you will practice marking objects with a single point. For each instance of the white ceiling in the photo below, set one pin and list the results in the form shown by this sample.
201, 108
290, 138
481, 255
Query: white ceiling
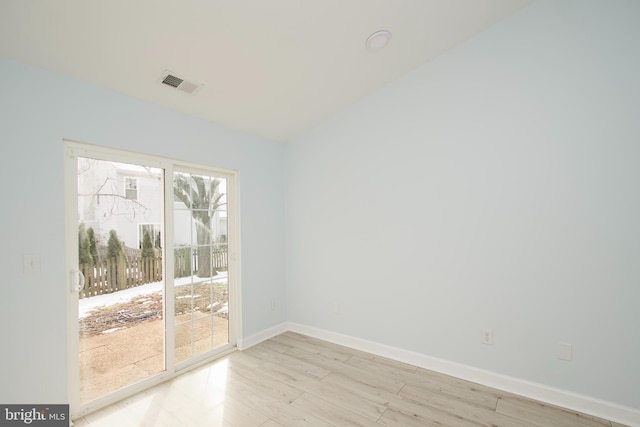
272, 68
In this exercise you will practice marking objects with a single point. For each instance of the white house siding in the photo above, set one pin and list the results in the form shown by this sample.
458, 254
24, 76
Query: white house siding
102, 204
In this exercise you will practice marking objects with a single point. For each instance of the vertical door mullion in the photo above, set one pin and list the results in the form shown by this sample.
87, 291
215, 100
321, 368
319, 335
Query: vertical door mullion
169, 264
233, 249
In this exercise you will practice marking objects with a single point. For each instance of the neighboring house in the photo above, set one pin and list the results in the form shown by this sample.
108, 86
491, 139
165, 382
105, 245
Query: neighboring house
128, 198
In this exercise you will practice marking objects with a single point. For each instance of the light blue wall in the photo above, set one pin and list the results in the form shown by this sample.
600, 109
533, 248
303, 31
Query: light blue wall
496, 187
37, 110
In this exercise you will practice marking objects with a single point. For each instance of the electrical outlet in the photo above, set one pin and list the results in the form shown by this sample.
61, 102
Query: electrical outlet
31, 263
336, 308
564, 351
487, 336
273, 305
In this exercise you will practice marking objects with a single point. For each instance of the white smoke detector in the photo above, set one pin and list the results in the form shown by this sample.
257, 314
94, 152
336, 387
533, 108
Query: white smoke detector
378, 40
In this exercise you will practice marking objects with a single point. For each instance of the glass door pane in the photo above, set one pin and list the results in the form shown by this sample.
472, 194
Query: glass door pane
121, 329
201, 267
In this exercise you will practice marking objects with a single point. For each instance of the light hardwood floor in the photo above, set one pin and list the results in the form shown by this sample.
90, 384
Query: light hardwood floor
296, 381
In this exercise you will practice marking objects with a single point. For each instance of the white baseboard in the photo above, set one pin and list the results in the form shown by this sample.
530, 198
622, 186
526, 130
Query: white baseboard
245, 343
585, 404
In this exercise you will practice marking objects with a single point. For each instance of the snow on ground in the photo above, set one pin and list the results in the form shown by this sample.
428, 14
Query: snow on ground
85, 305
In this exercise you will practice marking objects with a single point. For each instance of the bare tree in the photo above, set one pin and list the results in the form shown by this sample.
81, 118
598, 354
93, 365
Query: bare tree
109, 190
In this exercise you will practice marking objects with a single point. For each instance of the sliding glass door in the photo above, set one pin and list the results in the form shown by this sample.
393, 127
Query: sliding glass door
152, 272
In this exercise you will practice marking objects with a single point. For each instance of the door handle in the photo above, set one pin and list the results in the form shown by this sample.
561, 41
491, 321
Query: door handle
77, 286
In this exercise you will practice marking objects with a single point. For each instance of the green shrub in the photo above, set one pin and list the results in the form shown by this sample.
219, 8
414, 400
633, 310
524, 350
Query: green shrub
84, 252
93, 244
147, 246
114, 246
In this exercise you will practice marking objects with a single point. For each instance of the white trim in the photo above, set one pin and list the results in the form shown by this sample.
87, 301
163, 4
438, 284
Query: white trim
71, 263
551, 395
83, 149
203, 358
233, 259
245, 343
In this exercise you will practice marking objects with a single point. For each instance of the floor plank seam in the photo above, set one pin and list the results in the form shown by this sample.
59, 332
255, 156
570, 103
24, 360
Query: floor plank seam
495, 407
382, 414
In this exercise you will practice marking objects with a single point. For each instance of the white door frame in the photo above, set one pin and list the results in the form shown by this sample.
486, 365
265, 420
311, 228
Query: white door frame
73, 150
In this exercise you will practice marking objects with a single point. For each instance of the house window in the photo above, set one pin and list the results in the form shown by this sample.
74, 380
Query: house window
154, 233
131, 188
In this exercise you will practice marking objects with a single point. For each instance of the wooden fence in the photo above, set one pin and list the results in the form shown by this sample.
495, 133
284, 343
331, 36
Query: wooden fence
186, 260
116, 274
220, 258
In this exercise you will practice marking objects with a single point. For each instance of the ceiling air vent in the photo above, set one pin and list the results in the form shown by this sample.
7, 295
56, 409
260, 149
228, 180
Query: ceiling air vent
170, 79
